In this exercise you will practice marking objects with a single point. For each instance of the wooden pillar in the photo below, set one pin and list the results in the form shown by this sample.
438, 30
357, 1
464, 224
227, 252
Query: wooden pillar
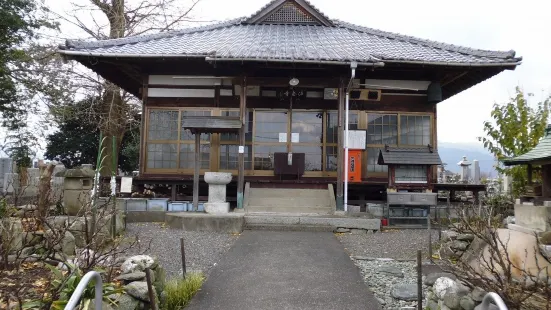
529, 174
546, 180
141, 160
196, 171
173, 193
241, 156
340, 147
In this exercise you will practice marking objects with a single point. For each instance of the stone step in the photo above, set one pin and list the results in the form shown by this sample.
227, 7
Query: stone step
289, 202
313, 220
267, 208
285, 192
282, 227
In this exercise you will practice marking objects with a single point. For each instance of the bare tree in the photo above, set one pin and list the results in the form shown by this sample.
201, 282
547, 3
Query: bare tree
114, 19
522, 280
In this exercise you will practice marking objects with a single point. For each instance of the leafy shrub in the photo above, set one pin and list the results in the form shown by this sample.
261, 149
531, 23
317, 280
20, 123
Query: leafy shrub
180, 291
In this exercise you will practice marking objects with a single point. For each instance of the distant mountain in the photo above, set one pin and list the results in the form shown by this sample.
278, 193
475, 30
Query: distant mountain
452, 153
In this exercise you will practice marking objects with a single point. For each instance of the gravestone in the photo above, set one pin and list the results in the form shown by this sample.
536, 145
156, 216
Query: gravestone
476, 172
5, 167
11, 183
33, 175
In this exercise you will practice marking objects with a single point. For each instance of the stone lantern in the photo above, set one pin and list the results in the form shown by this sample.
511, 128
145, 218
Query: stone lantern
217, 192
76, 189
464, 164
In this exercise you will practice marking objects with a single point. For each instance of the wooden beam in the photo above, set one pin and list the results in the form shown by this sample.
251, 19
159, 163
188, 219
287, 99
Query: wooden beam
241, 156
196, 171
453, 79
340, 146
284, 82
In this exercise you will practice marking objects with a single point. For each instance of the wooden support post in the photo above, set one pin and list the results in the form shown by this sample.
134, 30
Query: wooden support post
196, 171
340, 148
419, 281
241, 155
150, 290
173, 192
430, 233
529, 174
183, 252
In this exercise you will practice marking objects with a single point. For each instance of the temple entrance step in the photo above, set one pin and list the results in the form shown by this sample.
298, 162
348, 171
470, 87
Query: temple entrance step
285, 200
282, 227
307, 222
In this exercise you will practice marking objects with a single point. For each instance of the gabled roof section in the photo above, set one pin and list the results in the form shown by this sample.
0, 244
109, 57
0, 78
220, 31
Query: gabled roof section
289, 12
268, 36
409, 156
542, 152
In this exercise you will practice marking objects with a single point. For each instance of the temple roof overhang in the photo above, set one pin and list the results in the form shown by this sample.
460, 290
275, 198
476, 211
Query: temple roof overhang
292, 32
541, 154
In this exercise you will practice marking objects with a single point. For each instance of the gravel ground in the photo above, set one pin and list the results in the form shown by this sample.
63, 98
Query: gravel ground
203, 249
383, 276
380, 252
396, 244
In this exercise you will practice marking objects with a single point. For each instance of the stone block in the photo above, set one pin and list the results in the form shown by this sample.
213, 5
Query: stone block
269, 219
523, 229
375, 209
534, 217
188, 221
217, 207
351, 209
145, 217
358, 223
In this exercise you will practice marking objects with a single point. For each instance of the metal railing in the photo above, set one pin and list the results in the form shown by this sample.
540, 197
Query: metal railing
496, 299
75, 298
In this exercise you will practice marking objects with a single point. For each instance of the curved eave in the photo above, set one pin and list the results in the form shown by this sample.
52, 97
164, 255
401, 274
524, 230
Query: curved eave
210, 58
532, 161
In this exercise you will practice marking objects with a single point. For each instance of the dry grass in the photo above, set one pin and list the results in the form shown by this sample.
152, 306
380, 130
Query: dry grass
179, 292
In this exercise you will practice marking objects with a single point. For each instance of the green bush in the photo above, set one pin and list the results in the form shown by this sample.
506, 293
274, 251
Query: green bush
178, 292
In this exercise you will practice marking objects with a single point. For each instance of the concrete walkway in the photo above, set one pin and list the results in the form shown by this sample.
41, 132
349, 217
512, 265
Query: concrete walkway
285, 270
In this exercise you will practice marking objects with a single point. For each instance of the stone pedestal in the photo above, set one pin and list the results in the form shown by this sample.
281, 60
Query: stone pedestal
217, 192
533, 217
77, 186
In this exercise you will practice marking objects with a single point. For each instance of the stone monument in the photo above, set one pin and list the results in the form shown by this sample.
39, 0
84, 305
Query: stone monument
464, 164
476, 172
77, 186
217, 192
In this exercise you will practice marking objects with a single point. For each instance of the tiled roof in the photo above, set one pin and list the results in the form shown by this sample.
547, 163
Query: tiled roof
238, 39
542, 151
409, 156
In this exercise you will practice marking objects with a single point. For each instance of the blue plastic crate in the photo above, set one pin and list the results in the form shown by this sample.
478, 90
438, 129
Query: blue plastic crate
177, 206
157, 204
136, 204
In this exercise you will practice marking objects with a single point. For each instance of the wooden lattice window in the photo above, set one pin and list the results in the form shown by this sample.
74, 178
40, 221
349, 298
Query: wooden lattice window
289, 13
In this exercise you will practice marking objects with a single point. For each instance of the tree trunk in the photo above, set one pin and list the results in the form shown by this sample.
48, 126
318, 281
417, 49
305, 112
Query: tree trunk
44, 191
114, 108
113, 124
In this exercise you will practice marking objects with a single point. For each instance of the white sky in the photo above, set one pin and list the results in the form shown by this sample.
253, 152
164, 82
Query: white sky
486, 24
